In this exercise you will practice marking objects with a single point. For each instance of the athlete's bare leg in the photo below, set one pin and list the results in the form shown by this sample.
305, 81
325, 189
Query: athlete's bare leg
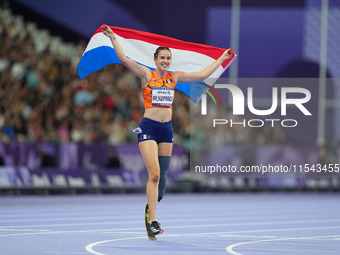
164, 149
149, 151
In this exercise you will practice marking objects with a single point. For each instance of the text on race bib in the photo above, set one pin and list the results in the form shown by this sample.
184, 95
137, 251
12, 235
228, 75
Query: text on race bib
162, 97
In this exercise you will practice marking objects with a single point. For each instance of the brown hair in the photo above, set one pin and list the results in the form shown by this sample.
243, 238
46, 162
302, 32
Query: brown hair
159, 49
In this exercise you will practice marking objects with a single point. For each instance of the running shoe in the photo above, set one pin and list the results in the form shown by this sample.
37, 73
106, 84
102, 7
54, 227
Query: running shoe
155, 228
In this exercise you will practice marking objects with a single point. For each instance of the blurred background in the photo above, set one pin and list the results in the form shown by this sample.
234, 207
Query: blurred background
60, 134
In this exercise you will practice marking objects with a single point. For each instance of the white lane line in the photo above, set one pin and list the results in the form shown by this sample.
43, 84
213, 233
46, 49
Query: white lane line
59, 219
70, 216
312, 221
71, 231
54, 214
113, 232
21, 230
178, 227
63, 225
265, 230
59, 252
120, 217
90, 247
296, 251
129, 246
230, 248
248, 236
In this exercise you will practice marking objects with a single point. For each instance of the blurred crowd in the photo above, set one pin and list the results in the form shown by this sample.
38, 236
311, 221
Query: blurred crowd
43, 100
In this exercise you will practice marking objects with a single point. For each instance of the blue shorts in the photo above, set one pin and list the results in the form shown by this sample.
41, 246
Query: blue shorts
154, 130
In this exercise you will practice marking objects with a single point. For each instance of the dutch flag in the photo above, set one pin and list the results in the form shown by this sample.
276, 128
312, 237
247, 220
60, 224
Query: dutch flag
140, 46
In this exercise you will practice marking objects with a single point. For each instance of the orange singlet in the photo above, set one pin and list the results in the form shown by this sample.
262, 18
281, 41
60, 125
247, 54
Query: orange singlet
159, 93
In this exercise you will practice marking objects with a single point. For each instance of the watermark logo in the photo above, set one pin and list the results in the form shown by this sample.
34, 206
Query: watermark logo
239, 100
207, 91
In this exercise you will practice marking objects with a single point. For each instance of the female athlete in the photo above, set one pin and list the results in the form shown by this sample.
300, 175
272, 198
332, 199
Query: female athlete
155, 133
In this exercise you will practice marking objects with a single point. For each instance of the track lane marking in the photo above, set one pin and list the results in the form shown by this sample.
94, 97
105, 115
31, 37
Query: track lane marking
230, 248
90, 247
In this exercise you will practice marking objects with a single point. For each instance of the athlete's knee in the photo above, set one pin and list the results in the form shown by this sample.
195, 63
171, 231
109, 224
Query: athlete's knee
154, 178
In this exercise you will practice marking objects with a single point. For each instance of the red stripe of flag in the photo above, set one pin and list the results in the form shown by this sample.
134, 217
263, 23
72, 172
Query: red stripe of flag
161, 40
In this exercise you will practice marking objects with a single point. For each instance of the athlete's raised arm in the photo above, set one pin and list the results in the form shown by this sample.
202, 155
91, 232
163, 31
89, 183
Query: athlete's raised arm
141, 71
205, 73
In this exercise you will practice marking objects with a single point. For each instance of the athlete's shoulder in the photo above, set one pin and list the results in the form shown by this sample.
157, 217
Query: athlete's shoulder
176, 75
170, 78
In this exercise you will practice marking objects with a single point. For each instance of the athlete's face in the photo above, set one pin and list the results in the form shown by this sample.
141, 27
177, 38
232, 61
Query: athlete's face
163, 60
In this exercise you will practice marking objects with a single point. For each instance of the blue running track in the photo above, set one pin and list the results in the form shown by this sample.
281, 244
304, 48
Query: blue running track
247, 224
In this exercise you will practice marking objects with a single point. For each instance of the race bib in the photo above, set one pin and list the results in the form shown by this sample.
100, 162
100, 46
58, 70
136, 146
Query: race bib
162, 97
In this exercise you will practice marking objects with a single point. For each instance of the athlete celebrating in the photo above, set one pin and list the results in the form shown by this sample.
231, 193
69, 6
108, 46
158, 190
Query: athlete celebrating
155, 133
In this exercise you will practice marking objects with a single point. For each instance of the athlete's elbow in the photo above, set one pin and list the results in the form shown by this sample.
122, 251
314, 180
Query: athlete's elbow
204, 75
124, 60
